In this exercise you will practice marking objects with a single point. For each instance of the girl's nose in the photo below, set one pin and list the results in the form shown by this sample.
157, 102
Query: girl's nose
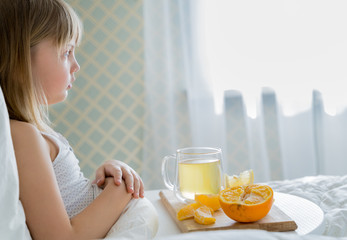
76, 66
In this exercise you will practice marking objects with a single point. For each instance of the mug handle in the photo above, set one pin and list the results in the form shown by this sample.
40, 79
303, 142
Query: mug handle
165, 173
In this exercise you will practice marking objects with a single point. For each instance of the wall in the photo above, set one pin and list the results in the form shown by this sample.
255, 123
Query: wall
104, 113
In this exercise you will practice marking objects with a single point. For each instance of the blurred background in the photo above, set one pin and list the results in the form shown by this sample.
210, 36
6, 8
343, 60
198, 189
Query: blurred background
265, 81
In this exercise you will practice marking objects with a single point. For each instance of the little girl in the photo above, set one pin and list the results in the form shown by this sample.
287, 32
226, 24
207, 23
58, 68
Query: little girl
37, 68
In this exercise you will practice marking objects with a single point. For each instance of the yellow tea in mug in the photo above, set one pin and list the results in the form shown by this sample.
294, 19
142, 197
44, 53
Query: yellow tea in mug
199, 176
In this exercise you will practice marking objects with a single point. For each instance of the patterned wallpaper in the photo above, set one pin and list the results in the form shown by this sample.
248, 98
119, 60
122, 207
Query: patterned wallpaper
104, 114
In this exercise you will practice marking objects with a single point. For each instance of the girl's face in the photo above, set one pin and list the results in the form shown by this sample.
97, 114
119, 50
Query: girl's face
54, 70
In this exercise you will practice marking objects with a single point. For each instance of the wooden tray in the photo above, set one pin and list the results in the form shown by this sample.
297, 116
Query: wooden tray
275, 221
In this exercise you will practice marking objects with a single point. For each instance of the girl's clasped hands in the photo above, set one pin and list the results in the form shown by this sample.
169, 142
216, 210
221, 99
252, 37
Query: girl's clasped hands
119, 171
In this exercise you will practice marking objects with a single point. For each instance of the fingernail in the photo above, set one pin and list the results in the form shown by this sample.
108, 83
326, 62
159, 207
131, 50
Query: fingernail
98, 181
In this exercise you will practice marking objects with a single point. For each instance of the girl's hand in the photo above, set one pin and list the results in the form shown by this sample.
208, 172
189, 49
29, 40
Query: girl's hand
118, 171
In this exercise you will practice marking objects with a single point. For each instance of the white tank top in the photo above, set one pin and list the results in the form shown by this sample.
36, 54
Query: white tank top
76, 190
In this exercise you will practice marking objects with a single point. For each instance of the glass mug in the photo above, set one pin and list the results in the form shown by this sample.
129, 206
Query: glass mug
198, 170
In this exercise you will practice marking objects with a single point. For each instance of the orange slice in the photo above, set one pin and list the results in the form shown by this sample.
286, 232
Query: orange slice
187, 211
203, 215
247, 203
209, 200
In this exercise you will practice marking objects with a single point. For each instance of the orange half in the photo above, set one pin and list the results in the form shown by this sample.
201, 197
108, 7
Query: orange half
247, 203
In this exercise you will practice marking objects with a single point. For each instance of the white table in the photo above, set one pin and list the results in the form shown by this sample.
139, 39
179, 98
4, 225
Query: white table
307, 215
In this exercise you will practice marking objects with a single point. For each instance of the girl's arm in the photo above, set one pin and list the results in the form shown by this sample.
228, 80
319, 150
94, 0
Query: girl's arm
44, 208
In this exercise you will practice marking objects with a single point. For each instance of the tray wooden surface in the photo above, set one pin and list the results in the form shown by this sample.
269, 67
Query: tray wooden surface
275, 220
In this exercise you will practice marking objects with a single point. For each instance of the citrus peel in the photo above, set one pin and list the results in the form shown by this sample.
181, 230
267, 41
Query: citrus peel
244, 178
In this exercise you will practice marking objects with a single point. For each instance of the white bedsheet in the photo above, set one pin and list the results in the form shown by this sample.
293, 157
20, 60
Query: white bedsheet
328, 192
12, 217
245, 235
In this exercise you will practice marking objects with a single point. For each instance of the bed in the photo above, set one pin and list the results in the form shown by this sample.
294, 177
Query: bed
328, 192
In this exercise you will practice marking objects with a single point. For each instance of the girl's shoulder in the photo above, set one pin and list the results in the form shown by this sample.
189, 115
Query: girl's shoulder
25, 136
21, 129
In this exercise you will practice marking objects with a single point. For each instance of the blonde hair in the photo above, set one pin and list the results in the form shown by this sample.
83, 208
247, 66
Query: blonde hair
24, 24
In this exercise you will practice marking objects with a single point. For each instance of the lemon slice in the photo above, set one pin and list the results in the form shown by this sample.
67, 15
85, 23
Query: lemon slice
244, 178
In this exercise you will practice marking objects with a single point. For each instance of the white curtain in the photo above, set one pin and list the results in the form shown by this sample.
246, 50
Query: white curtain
263, 80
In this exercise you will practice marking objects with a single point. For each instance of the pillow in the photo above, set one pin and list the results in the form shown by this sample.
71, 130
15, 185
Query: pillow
12, 217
